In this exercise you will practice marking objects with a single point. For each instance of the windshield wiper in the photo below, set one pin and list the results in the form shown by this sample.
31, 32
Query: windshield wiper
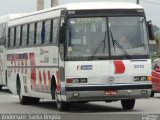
99, 46
115, 42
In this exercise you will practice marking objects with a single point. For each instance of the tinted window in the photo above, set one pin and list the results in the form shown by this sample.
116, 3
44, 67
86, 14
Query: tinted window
2, 34
39, 33
55, 30
24, 35
18, 36
31, 33
47, 32
11, 41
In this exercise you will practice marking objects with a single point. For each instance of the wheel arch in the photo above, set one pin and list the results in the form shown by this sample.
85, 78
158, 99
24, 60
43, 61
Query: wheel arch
17, 83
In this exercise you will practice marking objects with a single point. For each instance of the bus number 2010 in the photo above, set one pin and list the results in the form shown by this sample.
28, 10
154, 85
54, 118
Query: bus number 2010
138, 66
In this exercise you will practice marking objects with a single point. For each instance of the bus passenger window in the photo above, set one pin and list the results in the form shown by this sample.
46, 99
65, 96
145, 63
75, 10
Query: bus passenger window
31, 33
12, 35
38, 34
47, 32
24, 35
55, 30
18, 36
3, 34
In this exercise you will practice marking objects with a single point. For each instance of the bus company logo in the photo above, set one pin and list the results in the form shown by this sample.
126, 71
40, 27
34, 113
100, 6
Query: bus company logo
84, 67
110, 79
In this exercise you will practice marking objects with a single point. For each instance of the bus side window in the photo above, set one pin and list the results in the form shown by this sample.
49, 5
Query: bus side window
47, 32
31, 33
55, 30
12, 36
3, 34
8, 41
24, 35
18, 36
39, 34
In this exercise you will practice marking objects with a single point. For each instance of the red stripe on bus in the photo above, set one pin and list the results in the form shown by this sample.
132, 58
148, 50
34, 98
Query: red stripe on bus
33, 70
44, 78
119, 67
40, 80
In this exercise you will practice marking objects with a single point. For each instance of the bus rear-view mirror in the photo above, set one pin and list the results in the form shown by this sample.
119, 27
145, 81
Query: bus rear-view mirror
150, 30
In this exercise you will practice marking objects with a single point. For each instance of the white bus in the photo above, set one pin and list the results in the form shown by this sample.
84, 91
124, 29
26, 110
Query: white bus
3, 36
73, 53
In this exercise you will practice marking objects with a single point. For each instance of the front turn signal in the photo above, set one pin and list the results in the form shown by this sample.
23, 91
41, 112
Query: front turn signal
149, 78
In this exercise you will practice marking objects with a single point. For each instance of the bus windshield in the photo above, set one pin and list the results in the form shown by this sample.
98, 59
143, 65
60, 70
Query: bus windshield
94, 37
130, 33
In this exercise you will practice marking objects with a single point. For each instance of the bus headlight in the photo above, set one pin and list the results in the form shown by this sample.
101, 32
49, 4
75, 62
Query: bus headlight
76, 80
140, 78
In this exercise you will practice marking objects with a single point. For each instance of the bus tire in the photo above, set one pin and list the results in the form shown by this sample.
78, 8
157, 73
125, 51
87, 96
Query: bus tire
53, 88
1, 87
128, 104
62, 106
24, 100
152, 94
33, 100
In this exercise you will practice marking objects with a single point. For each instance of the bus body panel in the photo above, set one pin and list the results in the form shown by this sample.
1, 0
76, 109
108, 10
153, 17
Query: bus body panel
102, 77
35, 68
97, 72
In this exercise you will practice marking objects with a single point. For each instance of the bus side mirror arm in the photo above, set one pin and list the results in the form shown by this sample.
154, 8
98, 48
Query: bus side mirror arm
150, 30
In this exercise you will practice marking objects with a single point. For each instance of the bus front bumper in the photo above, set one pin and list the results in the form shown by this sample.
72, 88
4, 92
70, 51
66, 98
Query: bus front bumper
107, 92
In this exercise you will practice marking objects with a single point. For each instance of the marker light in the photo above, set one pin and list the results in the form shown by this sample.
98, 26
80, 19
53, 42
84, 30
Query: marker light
149, 78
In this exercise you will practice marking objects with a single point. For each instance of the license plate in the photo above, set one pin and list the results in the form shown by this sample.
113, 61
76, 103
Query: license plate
111, 93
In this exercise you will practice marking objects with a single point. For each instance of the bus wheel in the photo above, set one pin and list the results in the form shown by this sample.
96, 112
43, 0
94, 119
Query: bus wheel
23, 100
33, 100
152, 94
128, 104
1, 87
61, 106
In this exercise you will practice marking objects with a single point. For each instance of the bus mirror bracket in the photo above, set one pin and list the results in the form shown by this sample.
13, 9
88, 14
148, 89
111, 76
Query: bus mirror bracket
61, 35
61, 30
150, 30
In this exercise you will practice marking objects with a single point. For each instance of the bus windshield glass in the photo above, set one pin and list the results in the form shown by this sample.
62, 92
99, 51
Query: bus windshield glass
130, 33
94, 37
86, 37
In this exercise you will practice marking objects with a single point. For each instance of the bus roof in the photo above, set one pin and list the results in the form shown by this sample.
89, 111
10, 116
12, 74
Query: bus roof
89, 6
101, 5
6, 18
55, 11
